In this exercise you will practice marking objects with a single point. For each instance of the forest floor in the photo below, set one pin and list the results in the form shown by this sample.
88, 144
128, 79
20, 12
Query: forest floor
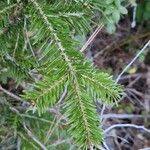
113, 53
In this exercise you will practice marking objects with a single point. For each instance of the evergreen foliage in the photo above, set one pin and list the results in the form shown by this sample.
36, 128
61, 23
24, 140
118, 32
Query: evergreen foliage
38, 36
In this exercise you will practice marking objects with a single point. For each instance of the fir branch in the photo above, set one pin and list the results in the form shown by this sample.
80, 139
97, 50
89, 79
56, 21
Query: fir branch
86, 125
79, 103
54, 34
104, 87
52, 25
47, 92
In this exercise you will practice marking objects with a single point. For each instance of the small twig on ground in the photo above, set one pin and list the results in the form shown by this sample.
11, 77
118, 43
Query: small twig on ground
104, 49
18, 144
102, 112
105, 145
124, 116
133, 24
118, 137
129, 76
134, 91
133, 60
91, 148
127, 126
148, 148
89, 41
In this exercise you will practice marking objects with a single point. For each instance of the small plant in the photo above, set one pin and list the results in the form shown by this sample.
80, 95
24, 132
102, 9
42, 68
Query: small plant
37, 39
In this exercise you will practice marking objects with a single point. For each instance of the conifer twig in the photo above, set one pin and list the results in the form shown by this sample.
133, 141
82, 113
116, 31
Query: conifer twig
98, 29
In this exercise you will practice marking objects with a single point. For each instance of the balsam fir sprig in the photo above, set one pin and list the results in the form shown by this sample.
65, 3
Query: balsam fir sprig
52, 51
